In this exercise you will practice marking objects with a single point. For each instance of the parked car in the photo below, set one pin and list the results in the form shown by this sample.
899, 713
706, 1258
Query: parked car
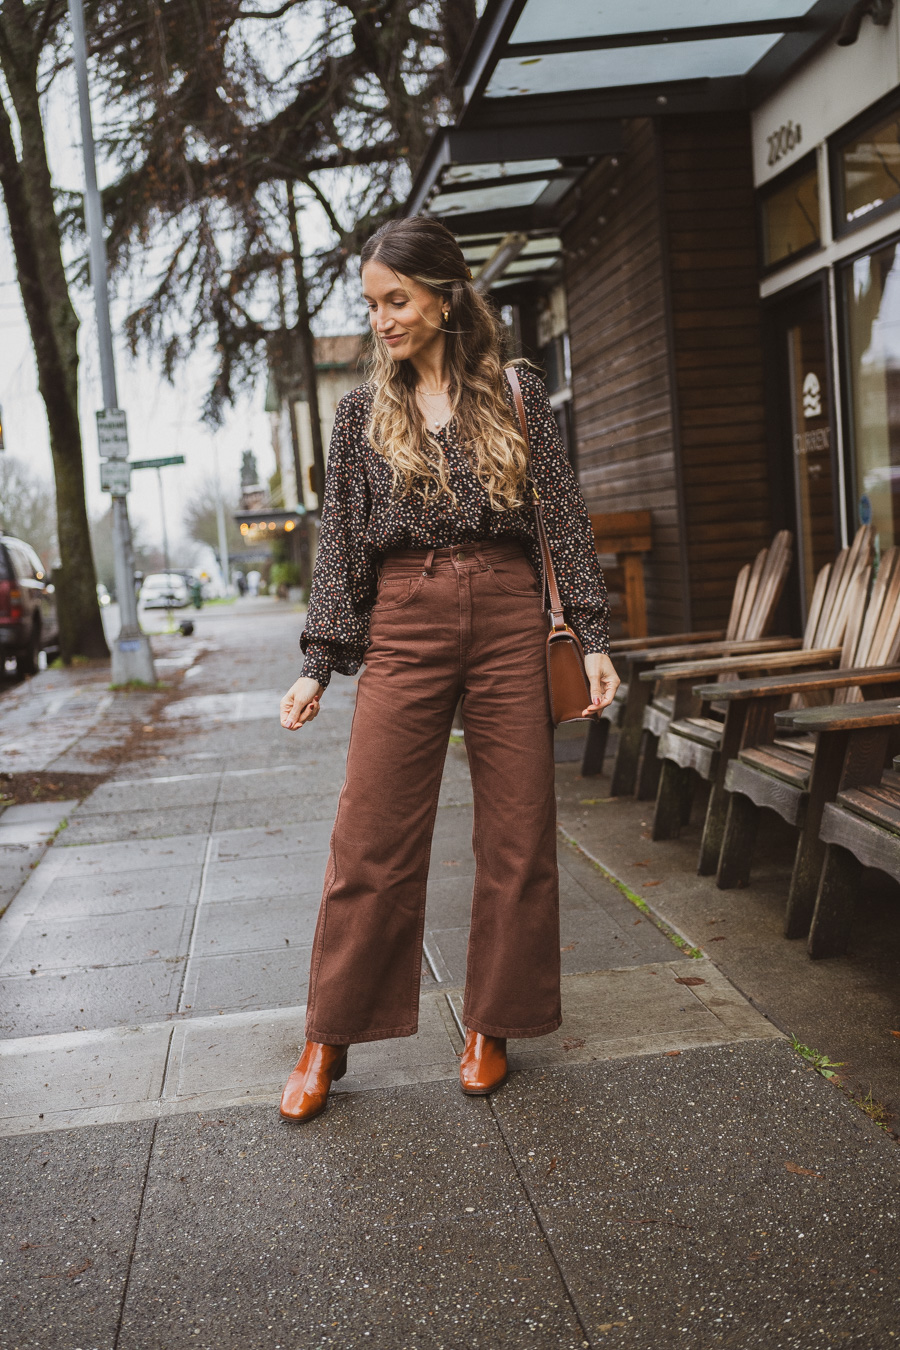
28, 621
164, 590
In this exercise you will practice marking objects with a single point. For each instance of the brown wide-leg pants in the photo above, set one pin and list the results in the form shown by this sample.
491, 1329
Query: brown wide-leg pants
469, 625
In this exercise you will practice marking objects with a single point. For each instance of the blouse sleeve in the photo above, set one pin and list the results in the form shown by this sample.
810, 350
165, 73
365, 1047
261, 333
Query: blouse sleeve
345, 576
579, 576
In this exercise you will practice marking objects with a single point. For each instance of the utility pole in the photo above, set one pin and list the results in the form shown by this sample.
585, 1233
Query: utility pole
224, 567
307, 348
132, 658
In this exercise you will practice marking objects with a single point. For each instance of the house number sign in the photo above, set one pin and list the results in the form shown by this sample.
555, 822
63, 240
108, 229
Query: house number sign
783, 141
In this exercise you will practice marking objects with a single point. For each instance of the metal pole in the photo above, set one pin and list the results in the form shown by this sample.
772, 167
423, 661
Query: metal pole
131, 655
165, 534
220, 524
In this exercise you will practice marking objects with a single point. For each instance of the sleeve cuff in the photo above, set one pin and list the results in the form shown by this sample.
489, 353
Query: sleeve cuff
317, 666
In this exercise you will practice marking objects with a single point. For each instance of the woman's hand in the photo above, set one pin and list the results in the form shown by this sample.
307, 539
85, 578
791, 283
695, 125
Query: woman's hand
301, 703
604, 681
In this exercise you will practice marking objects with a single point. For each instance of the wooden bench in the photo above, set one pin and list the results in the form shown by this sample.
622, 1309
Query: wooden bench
795, 778
839, 619
756, 593
861, 826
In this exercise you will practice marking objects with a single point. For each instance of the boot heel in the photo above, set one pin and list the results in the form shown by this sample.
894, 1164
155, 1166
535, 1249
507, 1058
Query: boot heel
340, 1070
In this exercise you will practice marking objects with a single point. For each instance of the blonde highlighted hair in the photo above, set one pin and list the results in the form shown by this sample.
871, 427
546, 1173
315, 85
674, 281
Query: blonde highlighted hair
426, 251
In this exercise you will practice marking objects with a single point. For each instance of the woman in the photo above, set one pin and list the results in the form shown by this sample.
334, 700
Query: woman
426, 572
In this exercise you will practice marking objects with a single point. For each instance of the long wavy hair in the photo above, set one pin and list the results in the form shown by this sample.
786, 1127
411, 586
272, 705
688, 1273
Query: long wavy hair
426, 251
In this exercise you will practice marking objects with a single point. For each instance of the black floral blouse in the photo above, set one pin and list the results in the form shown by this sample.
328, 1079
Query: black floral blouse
361, 521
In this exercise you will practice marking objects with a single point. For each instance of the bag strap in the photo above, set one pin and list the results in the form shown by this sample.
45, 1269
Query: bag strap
557, 619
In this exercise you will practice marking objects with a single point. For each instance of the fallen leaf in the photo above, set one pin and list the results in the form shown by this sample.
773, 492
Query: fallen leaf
449, 862
552, 1166
571, 947
671, 1053
720, 938
641, 864
801, 1171
689, 979
574, 1044
895, 1033
652, 883
636, 922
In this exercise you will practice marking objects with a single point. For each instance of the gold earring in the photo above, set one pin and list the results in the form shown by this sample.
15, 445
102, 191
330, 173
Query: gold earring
446, 315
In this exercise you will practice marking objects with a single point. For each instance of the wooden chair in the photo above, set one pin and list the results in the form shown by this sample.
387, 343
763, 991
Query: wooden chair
860, 827
757, 590
688, 740
795, 778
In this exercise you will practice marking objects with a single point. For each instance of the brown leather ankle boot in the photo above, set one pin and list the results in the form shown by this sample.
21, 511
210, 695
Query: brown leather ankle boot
306, 1091
482, 1068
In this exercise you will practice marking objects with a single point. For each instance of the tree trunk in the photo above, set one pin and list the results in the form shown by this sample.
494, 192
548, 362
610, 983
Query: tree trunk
34, 229
307, 349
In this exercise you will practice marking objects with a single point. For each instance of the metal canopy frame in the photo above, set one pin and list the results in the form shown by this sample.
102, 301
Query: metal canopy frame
579, 126
491, 43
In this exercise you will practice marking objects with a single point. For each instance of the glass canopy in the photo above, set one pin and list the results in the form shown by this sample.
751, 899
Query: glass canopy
472, 173
543, 22
498, 198
616, 66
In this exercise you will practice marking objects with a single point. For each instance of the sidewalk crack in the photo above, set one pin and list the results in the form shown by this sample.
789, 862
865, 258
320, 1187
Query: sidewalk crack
570, 1295
137, 1229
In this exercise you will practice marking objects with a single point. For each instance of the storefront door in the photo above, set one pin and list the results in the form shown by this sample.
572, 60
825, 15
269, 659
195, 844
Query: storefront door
805, 433
871, 286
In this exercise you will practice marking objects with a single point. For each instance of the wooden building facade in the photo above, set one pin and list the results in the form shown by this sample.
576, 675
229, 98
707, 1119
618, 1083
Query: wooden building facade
725, 243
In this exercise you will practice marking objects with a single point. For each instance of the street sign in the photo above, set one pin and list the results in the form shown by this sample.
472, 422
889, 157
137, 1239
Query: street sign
112, 433
115, 477
156, 463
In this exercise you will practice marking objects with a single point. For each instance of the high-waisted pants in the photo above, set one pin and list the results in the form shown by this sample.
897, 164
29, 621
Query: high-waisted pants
456, 623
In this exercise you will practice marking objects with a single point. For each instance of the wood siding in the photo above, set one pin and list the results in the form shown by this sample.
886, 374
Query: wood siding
710, 235
620, 364
665, 330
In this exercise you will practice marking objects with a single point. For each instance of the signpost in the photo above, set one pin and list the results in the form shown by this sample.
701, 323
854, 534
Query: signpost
112, 433
159, 465
115, 477
156, 463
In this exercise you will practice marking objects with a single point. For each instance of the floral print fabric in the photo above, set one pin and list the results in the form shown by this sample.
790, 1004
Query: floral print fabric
362, 520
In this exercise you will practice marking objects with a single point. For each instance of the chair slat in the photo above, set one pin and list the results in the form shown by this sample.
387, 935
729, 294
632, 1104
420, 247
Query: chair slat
815, 607
737, 603
756, 572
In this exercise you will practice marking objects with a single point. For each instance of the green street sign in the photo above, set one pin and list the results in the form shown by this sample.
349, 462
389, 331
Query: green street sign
156, 463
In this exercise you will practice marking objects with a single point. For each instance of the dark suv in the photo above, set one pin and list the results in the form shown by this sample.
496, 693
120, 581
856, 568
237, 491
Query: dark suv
27, 606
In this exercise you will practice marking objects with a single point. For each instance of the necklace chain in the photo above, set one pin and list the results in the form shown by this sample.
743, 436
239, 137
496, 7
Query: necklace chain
440, 393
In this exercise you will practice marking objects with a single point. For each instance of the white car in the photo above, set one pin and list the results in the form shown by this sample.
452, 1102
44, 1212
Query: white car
164, 590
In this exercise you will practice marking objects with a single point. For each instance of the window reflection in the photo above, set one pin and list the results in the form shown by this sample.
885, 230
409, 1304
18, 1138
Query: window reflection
872, 306
790, 218
870, 169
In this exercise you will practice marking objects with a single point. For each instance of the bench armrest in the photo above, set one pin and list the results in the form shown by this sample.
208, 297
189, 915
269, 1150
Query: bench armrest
802, 682
667, 640
737, 661
842, 716
711, 651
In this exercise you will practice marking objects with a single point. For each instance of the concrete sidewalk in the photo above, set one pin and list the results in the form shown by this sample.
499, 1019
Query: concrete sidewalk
662, 1171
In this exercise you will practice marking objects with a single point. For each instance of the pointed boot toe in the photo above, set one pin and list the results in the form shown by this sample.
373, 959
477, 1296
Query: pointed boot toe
483, 1067
306, 1092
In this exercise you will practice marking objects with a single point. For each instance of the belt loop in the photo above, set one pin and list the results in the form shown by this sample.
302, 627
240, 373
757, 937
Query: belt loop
426, 572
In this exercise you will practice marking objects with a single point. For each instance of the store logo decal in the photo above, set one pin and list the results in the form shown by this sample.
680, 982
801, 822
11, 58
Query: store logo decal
812, 396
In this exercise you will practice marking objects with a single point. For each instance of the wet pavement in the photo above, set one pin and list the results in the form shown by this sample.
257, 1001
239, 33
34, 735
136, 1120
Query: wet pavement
663, 1170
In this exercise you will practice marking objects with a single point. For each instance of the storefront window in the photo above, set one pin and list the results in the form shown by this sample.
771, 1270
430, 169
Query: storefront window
869, 170
790, 217
872, 307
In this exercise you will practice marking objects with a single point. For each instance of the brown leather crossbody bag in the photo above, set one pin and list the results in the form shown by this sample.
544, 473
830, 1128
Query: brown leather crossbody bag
570, 690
